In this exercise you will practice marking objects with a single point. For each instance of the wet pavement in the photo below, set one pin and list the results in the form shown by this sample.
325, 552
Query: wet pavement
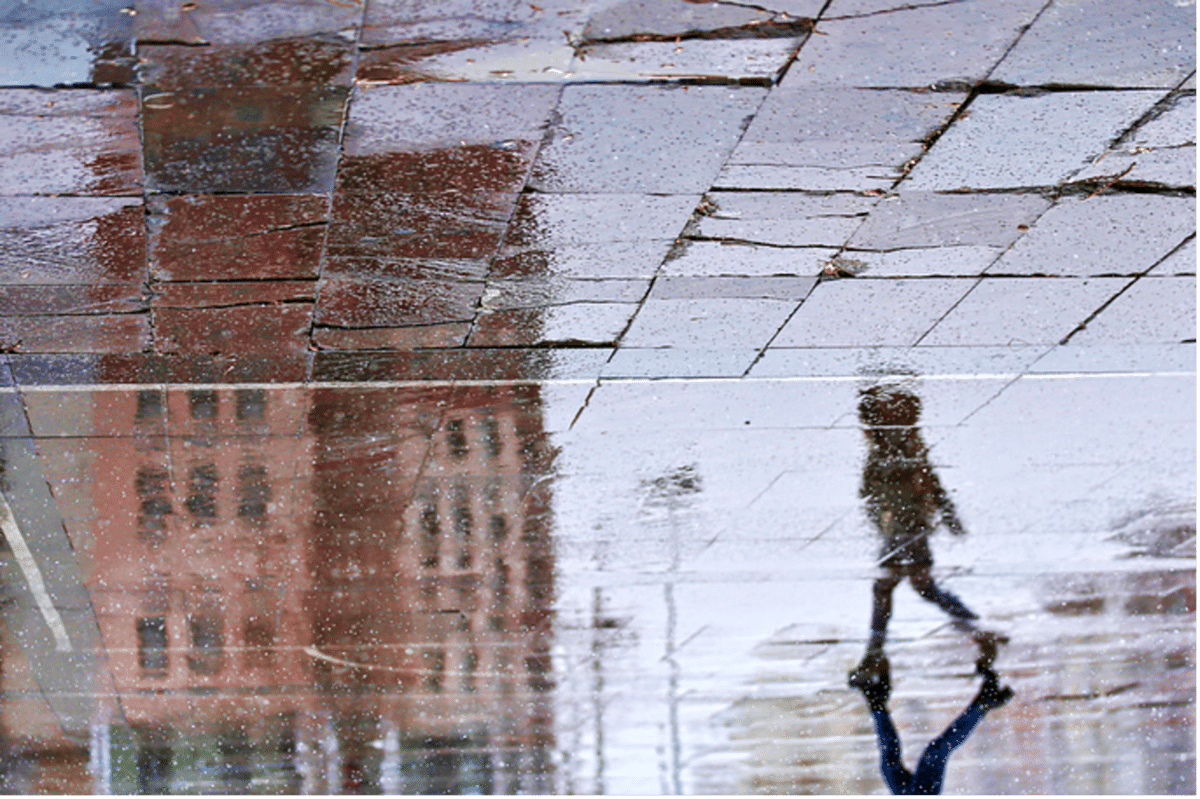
597, 397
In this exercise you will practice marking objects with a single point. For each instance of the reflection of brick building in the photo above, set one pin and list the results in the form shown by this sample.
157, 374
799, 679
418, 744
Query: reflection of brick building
328, 590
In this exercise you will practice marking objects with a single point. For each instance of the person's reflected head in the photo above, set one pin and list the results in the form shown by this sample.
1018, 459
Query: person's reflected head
888, 406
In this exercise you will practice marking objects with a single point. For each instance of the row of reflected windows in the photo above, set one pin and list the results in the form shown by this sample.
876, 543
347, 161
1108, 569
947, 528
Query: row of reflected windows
206, 655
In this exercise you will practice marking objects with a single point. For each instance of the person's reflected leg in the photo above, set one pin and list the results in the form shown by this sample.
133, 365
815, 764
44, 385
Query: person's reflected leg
881, 612
876, 691
898, 778
927, 589
931, 770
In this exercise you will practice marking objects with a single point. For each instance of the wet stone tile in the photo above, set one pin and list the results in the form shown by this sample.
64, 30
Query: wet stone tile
512, 293
733, 259
707, 323
392, 338
1173, 167
867, 312
31, 300
81, 142
1181, 261
740, 59
880, 360
243, 21
90, 333
1008, 141
250, 139
1022, 311
622, 138
133, 367
1152, 310
288, 62
833, 138
451, 203
461, 364
782, 218
575, 323
225, 237
568, 220
444, 269
957, 261
233, 292
1122, 43
265, 329
627, 259
396, 21
431, 116
71, 240
631, 362
668, 18
923, 219
896, 49
774, 287
1110, 234
66, 44
1071, 358
395, 303
496, 62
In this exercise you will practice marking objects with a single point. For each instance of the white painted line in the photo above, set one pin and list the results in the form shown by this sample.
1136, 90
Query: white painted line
33, 576
394, 384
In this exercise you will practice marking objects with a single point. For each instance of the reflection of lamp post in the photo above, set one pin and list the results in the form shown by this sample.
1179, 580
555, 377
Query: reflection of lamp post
669, 491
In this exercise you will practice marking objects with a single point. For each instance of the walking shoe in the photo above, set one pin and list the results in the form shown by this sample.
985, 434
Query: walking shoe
988, 642
873, 677
991, 695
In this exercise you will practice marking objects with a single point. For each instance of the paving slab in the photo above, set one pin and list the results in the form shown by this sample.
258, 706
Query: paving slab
794, 219
701, 259
618, 259
512, 293
914, 219
654, 139
1180, 262
900, 361
896, 49
226, 237
115, 333
64, 44
945, 261
1009, 141
1154, 310
309, 61
1093, 43
107, 298
1110, 234
835, 138
573, 323
362, 302
727, 60
474, 363
72, 240
392, 338
1002, 310
635, 362
251, 139
706, 323
1117, 358
268, 329
1169, 167
570, 220
82, 142
242, 21
841, 313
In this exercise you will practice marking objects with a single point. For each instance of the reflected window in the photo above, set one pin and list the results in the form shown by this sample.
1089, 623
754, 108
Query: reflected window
149, 406
498, 527
491, 435
452, 765
456, 439
202, 499
432, 530
207, 632
253, 492
151, 486
435, 665
202, 404
463, 520
258, 636
152, 646
251, 404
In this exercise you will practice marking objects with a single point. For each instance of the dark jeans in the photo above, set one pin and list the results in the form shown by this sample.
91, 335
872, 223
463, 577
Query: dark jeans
927, 779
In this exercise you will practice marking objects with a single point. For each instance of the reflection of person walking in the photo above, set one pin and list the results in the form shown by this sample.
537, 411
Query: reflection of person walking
931, 769
906, 502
